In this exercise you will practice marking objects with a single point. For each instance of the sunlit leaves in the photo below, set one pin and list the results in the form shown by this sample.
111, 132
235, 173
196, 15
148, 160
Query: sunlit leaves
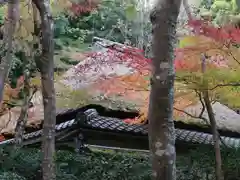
188, 41
130, 11
221, 66
25, 26
59, 6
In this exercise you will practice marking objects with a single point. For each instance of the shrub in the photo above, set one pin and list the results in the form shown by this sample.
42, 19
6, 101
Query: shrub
108, 165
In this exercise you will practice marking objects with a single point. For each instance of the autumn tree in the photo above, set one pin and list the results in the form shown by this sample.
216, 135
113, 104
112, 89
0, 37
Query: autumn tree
207, 63
161, 126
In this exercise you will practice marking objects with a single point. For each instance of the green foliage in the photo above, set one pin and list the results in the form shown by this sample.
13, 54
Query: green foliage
197, 163
114, 20
61, 24
66, 35
11, 176
1, 16
222, 11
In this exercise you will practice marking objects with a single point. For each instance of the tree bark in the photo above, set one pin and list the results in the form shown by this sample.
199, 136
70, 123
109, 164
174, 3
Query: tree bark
46, 66
22, 120
161, 125
216, 140
9, 29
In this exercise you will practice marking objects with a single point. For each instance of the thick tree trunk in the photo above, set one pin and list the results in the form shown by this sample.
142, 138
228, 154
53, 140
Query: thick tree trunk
161, 126
216, 139
6, 53
46, 66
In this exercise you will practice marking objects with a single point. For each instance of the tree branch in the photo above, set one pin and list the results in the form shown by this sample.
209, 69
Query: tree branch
201, 117
225, 85
231, 54
202, 102
187, 9
192, 116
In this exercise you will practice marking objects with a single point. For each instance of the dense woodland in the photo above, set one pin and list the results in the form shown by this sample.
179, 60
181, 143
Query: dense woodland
199, 62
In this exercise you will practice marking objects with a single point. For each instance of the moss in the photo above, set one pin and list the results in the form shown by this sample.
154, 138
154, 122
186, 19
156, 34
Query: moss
67, 98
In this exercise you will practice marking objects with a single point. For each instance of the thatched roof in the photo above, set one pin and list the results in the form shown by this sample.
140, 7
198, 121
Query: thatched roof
106, 81
95, 72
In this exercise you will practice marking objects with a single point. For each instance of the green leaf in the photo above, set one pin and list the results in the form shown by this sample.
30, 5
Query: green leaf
130, 12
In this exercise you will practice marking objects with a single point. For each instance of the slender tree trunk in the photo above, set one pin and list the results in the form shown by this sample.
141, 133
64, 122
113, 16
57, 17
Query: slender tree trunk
216, 140
46, 66
22, 120
161, 125
6, 52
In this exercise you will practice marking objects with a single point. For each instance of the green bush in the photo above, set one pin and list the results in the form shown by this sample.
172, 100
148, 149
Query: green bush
222, 11
11, 176
196, 164
113, 20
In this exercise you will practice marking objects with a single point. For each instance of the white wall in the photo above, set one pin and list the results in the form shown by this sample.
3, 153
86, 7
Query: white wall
192, 3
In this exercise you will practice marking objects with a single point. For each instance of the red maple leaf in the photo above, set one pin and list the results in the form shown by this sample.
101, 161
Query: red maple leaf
224, 34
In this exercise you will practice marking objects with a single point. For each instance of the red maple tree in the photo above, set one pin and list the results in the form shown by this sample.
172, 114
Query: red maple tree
80, 8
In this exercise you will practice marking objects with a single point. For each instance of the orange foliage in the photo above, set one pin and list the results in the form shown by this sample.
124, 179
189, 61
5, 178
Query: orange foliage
135, 88
214, 42
188, 58
123, 84
10, 93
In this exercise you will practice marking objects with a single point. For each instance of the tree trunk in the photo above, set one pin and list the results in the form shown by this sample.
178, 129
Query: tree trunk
6, 53
216, 140
161, 125
46, 66
22, 120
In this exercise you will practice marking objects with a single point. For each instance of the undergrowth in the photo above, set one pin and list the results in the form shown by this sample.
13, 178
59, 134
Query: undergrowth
196, 164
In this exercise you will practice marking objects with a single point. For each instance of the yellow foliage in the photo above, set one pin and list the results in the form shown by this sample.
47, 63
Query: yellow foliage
58, 6
25, 26
27, 12
195, 46
69, 98
36, 81
229, 96
229, 72
9, 94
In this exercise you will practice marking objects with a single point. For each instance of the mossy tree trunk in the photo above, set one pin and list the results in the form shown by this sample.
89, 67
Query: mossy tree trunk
161, 125
46, 66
